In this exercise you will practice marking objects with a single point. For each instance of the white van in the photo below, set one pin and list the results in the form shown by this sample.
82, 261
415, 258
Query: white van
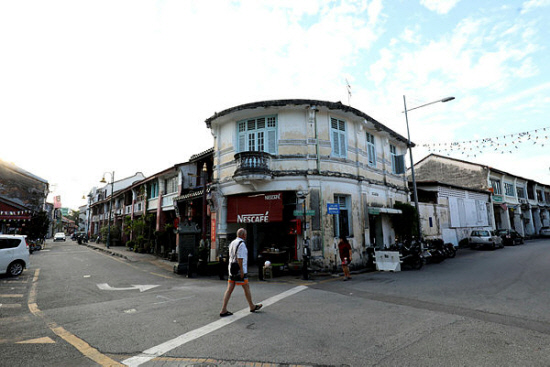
14, 254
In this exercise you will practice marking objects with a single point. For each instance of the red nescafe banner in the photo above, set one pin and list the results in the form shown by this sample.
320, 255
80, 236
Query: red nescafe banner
255, 208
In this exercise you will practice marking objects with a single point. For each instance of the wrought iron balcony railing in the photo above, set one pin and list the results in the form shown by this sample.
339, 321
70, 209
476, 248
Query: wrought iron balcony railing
253, 164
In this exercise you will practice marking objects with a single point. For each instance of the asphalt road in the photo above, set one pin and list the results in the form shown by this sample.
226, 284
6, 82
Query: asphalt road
78, 307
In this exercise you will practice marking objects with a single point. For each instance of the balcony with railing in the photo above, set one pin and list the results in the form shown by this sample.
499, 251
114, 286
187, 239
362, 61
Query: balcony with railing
252, 166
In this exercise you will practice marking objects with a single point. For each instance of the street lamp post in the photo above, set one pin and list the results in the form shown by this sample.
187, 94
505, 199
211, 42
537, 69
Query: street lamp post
409, 145
110, 204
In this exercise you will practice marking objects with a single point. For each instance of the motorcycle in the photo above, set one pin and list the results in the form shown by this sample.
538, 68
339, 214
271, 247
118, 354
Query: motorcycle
437, 251
411, 255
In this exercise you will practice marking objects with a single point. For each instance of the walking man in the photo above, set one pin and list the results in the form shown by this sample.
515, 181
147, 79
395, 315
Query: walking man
238, 253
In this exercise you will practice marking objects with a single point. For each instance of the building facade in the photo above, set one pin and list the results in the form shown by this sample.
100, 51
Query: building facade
305, 172
22, 195
451, 212
516, 202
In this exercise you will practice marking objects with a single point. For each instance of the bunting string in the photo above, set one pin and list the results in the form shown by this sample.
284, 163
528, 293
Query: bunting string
504, 144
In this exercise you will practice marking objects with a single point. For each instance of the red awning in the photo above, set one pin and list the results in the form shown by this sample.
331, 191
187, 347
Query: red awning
255, 208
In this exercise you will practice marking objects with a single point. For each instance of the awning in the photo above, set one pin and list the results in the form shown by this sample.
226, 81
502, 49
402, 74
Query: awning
189, 196
376, 211
255, 208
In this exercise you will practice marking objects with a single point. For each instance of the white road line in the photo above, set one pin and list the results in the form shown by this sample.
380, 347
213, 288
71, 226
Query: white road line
167, 346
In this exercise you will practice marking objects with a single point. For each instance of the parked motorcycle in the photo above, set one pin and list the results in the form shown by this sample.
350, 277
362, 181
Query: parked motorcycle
411, 255
437, 250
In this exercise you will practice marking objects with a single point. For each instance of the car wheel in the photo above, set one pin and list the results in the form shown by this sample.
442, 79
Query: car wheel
15, 269
493, 247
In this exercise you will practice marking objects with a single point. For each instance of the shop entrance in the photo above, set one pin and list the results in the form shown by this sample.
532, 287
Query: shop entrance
376, 231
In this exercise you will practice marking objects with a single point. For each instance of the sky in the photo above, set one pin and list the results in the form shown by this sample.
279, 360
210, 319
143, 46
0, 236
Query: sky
88, 87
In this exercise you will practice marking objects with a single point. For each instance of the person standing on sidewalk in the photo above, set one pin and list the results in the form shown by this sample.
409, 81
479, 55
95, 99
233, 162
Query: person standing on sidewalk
238, 253
345, 255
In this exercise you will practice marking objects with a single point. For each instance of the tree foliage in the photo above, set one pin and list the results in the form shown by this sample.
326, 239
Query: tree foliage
405, 224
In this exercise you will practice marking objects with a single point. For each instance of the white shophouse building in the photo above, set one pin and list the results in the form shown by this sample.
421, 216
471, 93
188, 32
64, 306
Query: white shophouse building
272, 156
515, 202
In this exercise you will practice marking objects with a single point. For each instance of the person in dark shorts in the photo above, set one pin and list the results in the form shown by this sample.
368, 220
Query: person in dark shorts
345, 255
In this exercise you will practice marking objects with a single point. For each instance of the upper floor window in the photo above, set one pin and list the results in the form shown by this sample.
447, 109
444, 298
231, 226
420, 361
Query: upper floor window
509, 189
539, 196
397, 161
371, 150
153, 190
521, 192
338, 137
258, 134
495, 184
171, 185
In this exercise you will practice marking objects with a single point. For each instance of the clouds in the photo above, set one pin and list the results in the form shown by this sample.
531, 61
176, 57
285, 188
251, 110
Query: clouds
438, 6
126, 85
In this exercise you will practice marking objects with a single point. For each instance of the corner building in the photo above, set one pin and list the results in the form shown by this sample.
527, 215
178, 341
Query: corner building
275, 161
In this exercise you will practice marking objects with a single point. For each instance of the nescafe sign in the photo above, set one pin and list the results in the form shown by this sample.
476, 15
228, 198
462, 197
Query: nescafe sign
257, 208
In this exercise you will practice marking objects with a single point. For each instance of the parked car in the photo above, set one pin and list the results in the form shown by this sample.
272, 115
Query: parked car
14, 254
544, 232
59, 236
484, 239
510, 237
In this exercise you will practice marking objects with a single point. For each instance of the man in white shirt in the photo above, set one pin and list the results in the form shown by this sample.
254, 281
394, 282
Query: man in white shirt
239, 253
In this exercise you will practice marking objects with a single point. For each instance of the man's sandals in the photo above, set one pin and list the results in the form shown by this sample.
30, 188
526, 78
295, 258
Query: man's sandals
256, 308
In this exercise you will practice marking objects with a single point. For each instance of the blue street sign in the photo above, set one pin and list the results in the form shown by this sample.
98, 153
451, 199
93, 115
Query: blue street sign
333, 208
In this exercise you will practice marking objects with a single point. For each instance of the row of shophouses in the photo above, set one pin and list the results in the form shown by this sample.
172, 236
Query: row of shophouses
305, 172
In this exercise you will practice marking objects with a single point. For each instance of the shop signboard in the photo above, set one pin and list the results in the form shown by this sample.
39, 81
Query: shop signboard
256, 208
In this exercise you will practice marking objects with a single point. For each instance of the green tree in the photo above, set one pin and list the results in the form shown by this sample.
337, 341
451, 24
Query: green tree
74, 215
405, 225
38, 226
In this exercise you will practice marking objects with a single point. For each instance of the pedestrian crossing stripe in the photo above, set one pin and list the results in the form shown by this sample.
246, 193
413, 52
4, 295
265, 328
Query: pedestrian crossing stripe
44, 340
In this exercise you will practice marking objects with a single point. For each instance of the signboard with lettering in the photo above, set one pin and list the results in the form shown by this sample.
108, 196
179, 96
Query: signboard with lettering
333, 208
498, 199
257, 208
299, 212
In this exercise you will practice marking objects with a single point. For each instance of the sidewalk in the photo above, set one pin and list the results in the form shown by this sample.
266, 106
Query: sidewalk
168, 266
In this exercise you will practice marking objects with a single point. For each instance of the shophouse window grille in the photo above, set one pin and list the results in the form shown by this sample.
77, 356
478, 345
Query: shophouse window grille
258, 134
339, 139
520, 191
371, 150
171, 185
495, 184
397, 161
509, 189
342, 221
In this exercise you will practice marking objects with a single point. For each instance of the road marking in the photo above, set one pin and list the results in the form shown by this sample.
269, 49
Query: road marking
10, 305
11, 296
167, 346
45, 340
76, 342
142, 288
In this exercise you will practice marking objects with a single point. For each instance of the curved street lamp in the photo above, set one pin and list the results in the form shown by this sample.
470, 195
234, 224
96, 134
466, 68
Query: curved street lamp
110, 203
409, 145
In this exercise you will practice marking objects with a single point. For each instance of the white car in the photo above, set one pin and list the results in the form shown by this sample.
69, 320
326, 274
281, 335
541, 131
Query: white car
484, 239
545, 232
14, 254
59, 236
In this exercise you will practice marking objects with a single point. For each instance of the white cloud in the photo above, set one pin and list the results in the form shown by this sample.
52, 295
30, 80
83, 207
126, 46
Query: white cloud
439, 6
